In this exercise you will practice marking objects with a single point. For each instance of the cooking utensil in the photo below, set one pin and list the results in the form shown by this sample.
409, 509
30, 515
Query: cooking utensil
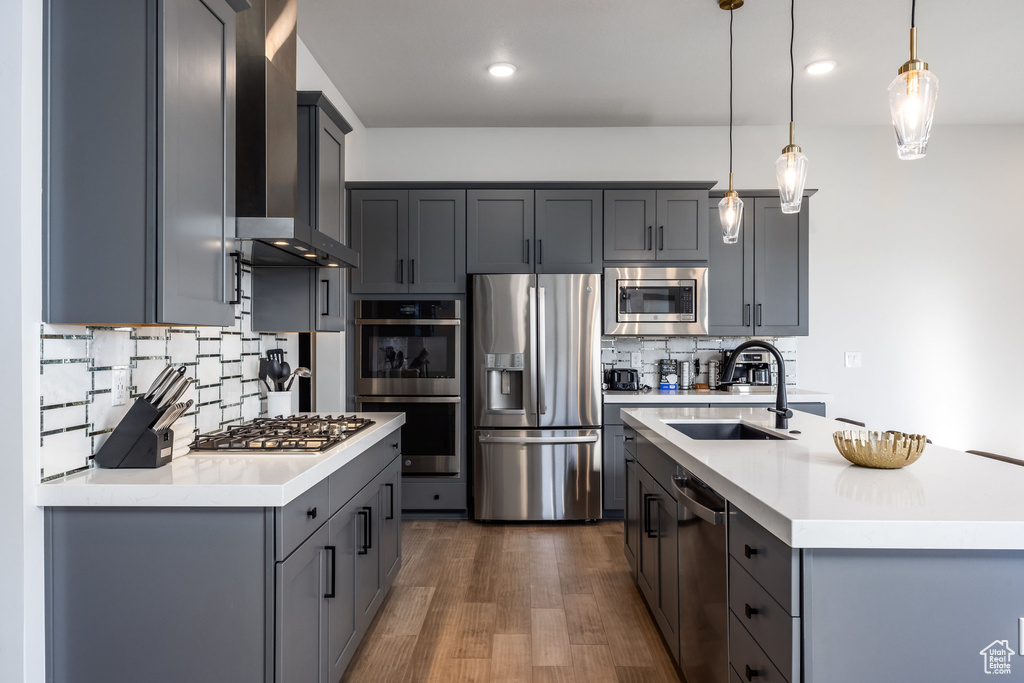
172, 414
299, 372
165, 387
276, 357
160, 378
172, 392
178, 392
162, 386
286, 372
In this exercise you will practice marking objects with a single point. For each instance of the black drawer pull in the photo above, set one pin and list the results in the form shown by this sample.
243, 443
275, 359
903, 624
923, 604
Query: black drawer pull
395, 445
401, 271
311, 513
237, 256
750, 673
369, 529
749, 611
626, 437
648, 529
334, 570
361, 513
391, 500
749, 552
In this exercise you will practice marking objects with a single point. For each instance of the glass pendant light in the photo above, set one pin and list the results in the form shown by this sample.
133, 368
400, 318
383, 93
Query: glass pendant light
912, 96
791, 166
730, 209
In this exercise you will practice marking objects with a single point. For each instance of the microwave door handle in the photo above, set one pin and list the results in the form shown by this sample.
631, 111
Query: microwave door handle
542, 350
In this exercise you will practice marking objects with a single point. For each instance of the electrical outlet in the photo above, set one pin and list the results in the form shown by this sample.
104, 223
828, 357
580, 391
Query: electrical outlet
120, 387
853, 359
635, 360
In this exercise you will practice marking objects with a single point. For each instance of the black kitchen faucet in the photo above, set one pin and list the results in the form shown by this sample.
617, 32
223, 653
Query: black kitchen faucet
781, 409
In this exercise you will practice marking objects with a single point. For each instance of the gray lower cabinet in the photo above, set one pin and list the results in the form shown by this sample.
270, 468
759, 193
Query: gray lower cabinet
614, 475
631, 536
410, 241
568, 231
301, 623
759, 286
140, 180
391, 522
500, 231
655, 225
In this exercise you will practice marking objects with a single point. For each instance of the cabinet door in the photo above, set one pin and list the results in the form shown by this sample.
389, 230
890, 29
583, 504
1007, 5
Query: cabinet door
633, 521
380, 233
614, 469
731, 276
780, 269
569, 234
369, 577
682, 230
499, 231
343, 537
648, 562
330, 220
391, 520
437, 241
195, 210
629, 217
668, 572
300, 624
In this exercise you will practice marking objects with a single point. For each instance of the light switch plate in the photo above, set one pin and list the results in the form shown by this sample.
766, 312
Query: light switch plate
635, 360
119, 390
853, 359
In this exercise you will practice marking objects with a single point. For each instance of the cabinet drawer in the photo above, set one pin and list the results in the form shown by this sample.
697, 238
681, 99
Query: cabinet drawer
429, 495
346, 482
297, 520
747, 658
775, 631
660, 466
772, 563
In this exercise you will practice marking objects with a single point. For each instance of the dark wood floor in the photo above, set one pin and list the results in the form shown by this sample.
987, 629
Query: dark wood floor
526, 603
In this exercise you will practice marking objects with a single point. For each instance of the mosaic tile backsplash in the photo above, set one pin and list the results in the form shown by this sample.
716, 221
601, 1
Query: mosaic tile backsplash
77, 365
643, 353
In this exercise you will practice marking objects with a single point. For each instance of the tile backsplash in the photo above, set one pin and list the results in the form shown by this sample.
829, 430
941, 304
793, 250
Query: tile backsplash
643, 353
77, 366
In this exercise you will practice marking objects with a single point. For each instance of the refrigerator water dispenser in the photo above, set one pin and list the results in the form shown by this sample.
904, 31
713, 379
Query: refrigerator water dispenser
504, 382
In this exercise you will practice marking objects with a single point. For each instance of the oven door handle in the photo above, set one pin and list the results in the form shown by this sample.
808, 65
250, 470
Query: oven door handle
589, 438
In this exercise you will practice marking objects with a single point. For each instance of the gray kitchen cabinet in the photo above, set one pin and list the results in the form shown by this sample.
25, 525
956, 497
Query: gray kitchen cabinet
344, 529
568, 231
139, 197
759, 285
631, 537
614, 474
391, 521
369, 575
655, 225
500, 231
410, 241
300, 625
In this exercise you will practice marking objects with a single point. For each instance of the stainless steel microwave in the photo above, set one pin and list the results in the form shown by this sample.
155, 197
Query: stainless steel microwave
660, 301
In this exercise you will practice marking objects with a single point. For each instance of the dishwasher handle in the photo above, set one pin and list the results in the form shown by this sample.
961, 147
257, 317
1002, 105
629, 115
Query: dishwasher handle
709, 515
586, 438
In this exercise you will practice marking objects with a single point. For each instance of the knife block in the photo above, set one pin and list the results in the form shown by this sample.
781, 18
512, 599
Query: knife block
134, 443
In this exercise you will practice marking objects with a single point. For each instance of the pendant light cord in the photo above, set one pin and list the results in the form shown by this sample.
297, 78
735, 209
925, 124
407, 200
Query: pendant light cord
730, 91
913, 11
792, 67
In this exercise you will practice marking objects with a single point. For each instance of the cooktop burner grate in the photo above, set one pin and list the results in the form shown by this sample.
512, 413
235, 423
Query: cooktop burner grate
302, 433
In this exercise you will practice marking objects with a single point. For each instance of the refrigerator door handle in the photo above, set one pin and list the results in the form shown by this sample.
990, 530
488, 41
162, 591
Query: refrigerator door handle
547, 440
531, 376
542, 351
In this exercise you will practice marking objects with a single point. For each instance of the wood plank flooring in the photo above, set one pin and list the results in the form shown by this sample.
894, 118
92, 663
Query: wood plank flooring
490, 603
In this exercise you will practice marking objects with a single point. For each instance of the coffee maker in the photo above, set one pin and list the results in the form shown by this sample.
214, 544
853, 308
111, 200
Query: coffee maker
753, 368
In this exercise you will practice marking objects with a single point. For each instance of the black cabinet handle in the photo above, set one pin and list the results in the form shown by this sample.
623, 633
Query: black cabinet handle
650, 237
369, 528
540, 252
759, 316
526, 251
749, 552
395, 445
749, 673
401, 271
391, 500
749, 611
661, 238
412, 271
327, 297
626, 437
311, 513
334, 570
746, 315
651, 533
363, 549
237, 256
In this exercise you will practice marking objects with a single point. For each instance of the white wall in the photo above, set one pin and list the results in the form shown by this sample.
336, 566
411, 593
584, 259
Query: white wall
915, 264
21, 531
330, 348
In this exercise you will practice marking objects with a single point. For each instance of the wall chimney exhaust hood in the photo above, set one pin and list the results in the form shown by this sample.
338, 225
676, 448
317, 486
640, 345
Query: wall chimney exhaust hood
267, 146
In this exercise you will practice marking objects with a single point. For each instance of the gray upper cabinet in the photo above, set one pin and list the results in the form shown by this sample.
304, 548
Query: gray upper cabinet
139, 192
499, 231
759, 286
409, 241
568, 231
655, 225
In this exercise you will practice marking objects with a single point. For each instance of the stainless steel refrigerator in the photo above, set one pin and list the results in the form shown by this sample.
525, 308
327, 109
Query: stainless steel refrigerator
536, 396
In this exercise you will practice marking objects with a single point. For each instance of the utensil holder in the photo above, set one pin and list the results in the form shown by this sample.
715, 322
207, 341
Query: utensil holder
134, 443
279, 403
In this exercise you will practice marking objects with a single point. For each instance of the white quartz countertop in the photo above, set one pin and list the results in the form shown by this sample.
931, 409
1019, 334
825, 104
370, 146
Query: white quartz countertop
203, 479
751, 395
808, 495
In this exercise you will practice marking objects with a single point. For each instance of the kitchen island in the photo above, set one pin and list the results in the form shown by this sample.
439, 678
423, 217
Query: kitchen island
223, 566
835, 572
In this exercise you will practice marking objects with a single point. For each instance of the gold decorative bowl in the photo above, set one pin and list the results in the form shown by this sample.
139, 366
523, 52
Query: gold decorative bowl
881, 450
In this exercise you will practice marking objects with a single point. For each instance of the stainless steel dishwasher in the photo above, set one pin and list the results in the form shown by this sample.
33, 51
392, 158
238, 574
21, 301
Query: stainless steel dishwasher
703, 582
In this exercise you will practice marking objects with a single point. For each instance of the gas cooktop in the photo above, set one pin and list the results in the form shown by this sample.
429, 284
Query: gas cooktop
298, 433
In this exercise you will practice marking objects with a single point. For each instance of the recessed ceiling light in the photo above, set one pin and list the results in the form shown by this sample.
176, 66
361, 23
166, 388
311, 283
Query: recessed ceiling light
821, 67
501, 70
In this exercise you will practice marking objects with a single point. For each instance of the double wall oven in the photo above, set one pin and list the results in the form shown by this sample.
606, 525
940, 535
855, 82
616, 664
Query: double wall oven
408, 359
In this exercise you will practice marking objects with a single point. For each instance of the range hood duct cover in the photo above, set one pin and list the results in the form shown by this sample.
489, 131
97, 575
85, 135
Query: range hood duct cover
267, 145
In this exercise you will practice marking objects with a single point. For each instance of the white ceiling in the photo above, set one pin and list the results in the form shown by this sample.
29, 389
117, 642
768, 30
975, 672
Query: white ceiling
412, 63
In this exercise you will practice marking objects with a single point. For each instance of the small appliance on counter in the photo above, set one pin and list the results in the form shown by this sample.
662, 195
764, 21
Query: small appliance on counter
622, 379
753, 368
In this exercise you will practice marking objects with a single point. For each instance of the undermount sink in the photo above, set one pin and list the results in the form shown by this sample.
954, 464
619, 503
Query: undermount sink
723, 431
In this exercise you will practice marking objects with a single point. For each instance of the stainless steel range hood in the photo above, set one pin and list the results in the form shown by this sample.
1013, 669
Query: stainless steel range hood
267, 146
